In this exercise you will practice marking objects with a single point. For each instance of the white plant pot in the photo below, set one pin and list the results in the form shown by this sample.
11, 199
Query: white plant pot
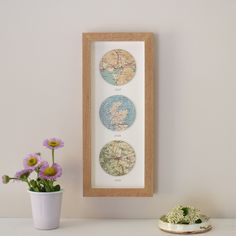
46, 209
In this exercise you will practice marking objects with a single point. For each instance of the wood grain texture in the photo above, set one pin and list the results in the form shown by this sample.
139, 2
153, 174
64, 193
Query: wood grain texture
86, 115
88, 190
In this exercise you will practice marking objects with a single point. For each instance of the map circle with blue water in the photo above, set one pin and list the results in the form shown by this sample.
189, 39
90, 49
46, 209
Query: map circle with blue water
117, 113
117, 67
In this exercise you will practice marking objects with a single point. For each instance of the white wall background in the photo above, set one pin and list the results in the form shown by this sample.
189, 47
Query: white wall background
195, 73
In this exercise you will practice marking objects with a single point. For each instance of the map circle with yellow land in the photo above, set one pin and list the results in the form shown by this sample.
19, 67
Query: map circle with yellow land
117, 158
117, 67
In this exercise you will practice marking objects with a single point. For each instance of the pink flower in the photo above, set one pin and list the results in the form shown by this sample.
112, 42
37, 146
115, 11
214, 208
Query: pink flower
50, 172
23, 174
53, 143
32, 161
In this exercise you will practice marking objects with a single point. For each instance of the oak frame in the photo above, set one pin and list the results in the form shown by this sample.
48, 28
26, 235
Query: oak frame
88, 39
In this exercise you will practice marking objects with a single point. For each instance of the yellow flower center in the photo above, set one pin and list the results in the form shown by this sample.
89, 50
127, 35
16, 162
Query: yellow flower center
53, 143
50, 171
32, 161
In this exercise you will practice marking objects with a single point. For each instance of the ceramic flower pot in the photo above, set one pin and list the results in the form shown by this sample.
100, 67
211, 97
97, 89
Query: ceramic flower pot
46, 209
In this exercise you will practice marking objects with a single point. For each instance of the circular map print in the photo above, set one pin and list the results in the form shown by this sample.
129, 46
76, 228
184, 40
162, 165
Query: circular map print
117, 158
117, 67
117, 113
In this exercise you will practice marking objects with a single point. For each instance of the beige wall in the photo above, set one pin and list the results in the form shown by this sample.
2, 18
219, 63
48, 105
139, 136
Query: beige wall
195, 73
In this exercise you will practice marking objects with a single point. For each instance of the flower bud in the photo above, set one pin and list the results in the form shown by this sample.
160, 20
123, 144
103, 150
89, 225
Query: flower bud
5, 179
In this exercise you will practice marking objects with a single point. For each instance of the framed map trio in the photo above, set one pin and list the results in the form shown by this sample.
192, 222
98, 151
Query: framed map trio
118, 114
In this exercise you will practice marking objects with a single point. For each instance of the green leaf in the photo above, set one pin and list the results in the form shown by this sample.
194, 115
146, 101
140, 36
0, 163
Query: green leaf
57, 188
198, 221
33, 183
34, 189
185, 211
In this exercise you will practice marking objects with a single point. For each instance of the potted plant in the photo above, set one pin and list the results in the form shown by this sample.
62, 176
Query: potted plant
40, 177
184, 219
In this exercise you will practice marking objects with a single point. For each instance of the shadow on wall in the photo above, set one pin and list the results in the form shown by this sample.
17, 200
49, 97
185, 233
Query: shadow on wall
165, 112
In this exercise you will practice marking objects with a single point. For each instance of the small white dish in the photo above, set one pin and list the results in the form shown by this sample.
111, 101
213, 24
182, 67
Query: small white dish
185, 228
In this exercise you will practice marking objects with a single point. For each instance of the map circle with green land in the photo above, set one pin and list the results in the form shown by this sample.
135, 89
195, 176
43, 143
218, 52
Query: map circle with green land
117, 113
117, 67
117, 158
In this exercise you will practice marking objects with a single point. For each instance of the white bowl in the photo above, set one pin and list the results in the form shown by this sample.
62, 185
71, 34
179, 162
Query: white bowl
185, 228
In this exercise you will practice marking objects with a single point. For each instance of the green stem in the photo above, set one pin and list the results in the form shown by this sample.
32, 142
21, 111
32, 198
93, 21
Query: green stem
48, 186
27, 181
23, 180
14, 178
37, 172
53, 156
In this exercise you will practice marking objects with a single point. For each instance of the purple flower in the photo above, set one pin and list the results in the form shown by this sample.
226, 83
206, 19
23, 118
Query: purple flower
53, 143
50, 172
32, 161
23, 174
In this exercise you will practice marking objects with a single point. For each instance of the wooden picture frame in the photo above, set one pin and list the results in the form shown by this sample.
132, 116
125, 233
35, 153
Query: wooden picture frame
103, 176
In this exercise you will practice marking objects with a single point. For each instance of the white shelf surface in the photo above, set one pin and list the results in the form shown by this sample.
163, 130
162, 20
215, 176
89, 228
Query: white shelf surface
105, 227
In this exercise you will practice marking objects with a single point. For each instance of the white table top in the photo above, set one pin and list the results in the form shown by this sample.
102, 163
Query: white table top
105, 227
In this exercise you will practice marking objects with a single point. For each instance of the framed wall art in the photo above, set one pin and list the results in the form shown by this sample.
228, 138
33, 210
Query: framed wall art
118, 114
